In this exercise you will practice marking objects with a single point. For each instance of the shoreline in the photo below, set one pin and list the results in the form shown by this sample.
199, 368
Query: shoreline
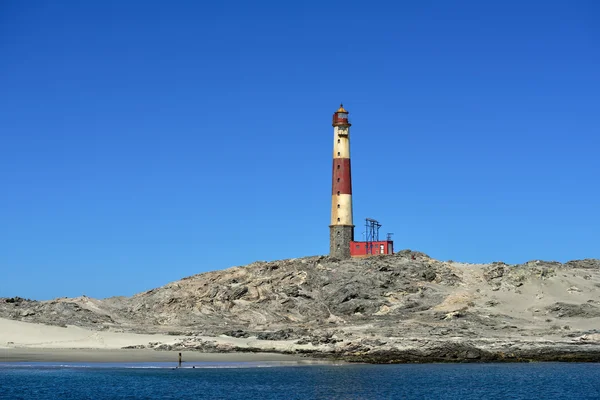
434, 355
16, 354
31, 342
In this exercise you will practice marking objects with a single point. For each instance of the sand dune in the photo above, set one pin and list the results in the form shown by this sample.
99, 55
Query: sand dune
23, 334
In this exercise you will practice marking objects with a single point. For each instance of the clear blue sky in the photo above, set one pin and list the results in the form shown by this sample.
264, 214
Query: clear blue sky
141, 142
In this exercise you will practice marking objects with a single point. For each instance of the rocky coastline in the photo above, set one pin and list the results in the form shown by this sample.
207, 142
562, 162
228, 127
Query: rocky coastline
401, 308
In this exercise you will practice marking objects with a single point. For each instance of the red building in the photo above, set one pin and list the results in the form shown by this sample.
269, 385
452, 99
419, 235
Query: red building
372, 245
365, 249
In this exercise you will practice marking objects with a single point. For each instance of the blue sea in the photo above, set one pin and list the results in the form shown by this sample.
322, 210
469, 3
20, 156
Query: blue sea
273, 381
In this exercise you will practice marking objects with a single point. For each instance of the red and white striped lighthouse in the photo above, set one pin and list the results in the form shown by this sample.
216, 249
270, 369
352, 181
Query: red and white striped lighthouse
341, 230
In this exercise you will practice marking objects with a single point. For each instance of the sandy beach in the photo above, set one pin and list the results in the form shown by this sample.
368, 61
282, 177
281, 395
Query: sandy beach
22, 341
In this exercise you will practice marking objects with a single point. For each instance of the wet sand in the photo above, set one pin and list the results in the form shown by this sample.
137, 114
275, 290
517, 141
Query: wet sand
137, 356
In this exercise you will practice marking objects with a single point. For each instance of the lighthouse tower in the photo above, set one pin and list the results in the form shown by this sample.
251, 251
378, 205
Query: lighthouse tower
341, 230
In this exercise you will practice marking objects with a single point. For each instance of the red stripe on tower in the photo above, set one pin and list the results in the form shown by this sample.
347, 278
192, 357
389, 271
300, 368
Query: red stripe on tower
342, 176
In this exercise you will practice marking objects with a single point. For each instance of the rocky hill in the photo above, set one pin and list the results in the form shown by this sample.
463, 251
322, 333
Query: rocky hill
393, 308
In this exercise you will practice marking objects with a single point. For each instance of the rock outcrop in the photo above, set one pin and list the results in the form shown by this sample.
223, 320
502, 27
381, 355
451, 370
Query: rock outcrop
405, 307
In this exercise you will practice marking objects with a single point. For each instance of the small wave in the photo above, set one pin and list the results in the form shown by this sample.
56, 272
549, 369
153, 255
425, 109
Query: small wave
155, 365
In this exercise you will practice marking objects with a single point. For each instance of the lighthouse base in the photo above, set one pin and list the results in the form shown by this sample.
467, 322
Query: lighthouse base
340, 237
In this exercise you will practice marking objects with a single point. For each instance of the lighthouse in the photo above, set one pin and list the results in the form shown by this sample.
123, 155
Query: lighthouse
341, 230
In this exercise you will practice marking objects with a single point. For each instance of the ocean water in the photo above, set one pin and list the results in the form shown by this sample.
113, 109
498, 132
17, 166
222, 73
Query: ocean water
273, 381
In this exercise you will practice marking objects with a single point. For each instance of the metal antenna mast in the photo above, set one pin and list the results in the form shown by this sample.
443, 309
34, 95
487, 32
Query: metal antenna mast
372, 233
